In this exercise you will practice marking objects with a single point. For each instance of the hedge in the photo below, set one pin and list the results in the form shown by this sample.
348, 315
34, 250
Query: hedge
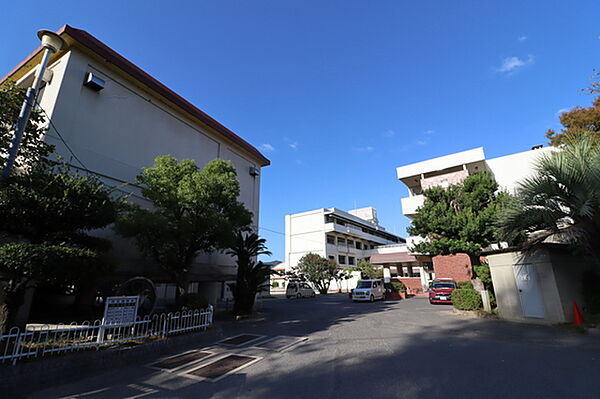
395, 286
466, 299
467, 285
191, 302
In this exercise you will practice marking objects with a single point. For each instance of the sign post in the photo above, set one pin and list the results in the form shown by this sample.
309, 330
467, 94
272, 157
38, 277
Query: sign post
118, 311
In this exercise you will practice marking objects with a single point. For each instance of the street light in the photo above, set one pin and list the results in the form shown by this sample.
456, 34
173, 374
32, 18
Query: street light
51, 43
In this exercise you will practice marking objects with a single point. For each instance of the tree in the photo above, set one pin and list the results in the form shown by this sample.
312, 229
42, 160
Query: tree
579, 121
460, 218
317, 270
32, 146
562, 197
252, 276
369, 271
193, 211
45, 215
23, 263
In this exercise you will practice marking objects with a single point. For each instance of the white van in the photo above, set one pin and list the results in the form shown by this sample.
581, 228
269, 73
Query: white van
298, 289
368, 290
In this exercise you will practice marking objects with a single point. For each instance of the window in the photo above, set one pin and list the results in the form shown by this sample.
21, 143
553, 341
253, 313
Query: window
350, 243
330, 239
393, 271
350, 260
415, 271
341, 241
372, 246
358, 245
365, 246
331, 257
341, 259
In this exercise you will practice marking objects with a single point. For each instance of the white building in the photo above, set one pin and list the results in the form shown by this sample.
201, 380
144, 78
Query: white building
344, 237
117, 118
454, 168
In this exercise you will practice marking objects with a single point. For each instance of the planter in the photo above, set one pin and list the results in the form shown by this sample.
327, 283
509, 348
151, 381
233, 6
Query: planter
402, 295
393, 295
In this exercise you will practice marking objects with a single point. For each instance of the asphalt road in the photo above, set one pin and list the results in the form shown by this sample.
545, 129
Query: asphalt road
404, 349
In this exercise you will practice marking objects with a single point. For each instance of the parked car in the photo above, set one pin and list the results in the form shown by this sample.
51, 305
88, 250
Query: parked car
368, 290
299, 290
440, 290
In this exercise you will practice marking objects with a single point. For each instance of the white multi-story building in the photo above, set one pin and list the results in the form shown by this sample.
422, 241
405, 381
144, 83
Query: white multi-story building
451, 169
344, 237
117, 118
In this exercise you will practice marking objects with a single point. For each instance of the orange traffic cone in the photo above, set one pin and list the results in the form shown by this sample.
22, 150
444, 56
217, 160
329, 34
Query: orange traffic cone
577, 317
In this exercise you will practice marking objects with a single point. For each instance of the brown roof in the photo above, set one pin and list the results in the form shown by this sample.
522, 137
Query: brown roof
396, 257
112, 57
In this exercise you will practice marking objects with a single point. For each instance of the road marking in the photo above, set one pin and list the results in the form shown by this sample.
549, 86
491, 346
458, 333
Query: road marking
145, 391
280, 343
180, 360
241, 340
220, 368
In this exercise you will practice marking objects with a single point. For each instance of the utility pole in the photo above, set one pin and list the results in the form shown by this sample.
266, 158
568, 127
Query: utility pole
51, 43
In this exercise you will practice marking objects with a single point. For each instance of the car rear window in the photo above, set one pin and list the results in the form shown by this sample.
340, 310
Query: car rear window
444, 285
364, 284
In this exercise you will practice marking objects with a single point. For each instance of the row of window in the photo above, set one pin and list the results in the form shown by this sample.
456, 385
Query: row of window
387, 236
342, 259
405, 271
350, 243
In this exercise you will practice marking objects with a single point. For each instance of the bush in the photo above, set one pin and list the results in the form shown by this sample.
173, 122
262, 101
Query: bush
275, 284
483, 272
3, 317
465, 285
191, 302
395, 287
466, 299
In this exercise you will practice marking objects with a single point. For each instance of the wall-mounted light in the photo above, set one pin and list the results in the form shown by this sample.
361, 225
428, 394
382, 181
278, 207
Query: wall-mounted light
254, 171
93, 82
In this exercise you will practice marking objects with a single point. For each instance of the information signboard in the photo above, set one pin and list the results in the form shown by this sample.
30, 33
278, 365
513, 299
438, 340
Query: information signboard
120, 310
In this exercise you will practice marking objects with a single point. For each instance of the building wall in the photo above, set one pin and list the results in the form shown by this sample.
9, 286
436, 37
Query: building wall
457, 267
121, 129
509, 170
304, 234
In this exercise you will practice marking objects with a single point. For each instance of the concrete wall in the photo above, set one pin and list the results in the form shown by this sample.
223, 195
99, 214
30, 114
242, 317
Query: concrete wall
559, 277
121, 129
509, 170
304, 234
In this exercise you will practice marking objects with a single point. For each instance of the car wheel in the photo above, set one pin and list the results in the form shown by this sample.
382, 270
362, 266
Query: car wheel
372, 298
298, 295
313, 295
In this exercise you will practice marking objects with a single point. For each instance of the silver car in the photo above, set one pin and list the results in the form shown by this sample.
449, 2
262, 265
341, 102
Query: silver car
368, 290
297, 289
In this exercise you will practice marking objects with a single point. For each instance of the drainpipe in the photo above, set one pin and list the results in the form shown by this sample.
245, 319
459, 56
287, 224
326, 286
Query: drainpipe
51, 43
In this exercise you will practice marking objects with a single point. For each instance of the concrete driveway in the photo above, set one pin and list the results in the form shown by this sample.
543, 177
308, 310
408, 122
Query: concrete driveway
403, 349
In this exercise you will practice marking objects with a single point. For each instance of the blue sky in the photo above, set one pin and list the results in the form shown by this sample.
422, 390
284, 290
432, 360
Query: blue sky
339, 93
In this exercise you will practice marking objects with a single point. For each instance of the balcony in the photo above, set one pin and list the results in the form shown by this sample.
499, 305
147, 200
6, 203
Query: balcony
411, 204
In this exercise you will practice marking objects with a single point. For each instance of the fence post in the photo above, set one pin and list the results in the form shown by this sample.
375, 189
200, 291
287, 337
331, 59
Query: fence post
17, 349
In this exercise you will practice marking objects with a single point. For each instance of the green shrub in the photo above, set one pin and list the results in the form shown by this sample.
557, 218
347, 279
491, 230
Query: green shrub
394, 287
191, 302
399, 286
275, 284
466, 299
465, 285
483, 272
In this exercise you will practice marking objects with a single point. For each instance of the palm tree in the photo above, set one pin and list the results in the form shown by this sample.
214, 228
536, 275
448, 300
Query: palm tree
562, 199
252, 276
